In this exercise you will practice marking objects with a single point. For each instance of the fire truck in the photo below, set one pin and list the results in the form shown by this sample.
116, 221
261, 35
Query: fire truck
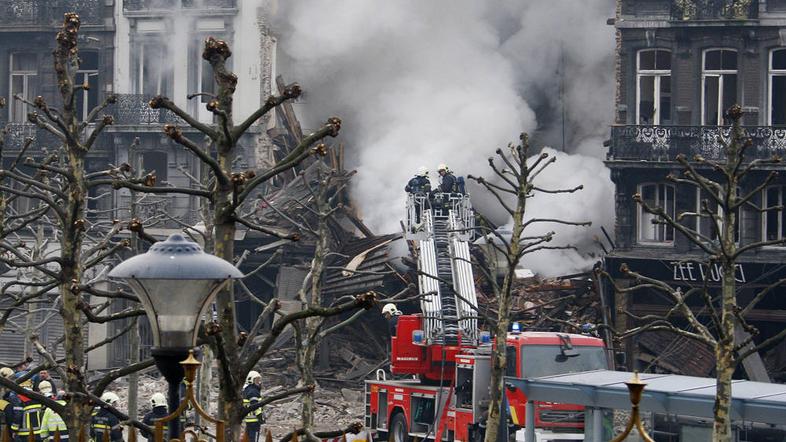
447, 357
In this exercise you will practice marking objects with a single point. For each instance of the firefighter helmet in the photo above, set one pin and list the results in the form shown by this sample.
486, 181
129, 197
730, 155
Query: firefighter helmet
251, 376
442, 167
110, 398
390, 309
45, 387
422, 171
6, 372
158, 400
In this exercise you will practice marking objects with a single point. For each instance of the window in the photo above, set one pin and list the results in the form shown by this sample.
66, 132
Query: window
87, 74
778, 87
719, 84
708, 227
653, 87
774, 227
656, 195
22, 83
156, 162
152, 75
200, 78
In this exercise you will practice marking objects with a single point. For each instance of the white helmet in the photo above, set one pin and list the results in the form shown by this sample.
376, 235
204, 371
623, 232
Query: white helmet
158, 400
390, 309
45, 387
251, 376
422, 171
110, 398
7, 372
442, 166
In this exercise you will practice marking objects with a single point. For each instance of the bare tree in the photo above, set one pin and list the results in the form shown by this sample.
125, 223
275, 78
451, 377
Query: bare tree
57, 192
719, 183
226, 191
514, 179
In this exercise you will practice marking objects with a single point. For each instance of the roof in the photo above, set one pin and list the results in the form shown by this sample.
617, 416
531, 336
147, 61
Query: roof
672, 394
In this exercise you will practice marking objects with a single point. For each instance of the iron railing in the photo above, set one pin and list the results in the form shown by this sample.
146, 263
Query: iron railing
18, 133
48, 12
134, 109
142, 5
684, 10
664, 143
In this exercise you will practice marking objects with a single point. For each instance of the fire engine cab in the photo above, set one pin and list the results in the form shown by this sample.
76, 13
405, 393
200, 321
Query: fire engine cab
449, 357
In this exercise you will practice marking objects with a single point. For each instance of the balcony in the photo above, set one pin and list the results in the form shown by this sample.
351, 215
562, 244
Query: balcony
19, 132
691, 10
145, 5
664, 143
26, 13
133, 109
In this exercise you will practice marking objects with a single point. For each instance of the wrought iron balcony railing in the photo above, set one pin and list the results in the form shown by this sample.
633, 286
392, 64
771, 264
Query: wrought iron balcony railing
685, 10
664, 143
18, 133
134, 109
142, 5
48, 12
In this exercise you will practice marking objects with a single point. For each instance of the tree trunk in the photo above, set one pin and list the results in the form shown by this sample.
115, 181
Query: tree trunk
724, 364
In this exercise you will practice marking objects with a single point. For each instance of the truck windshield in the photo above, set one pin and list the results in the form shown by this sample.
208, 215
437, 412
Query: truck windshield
547, 360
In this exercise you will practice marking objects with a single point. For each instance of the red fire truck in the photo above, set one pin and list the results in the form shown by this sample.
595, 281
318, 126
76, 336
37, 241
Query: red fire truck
449, 358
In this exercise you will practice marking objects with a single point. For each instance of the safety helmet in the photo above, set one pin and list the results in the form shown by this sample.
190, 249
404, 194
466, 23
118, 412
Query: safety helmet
442, 166
422, 171
6, 372
158, 400
251, 376
390, 309
110, 398
45, 387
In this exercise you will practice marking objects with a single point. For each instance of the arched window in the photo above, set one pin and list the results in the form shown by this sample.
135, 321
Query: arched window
777, 80
718, 84
653, 86
655, 195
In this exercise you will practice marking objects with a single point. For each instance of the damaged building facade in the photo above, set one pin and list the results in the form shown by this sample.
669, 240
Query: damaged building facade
133, 49
681, 64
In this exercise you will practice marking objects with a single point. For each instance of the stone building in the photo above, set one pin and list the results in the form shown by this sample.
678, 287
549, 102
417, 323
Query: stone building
134, 49
681, 64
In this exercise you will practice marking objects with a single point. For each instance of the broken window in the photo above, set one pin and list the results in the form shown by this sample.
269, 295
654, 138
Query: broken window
23, 83
153, 74
656, 195
653, 87
706, 225
87, 99
156, 162
774, 227
778, 87
719, 85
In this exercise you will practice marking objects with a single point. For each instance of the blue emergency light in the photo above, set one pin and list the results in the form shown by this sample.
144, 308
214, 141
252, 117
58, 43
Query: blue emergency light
515, 328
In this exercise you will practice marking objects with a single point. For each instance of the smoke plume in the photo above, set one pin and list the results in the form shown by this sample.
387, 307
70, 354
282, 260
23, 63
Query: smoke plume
449, 81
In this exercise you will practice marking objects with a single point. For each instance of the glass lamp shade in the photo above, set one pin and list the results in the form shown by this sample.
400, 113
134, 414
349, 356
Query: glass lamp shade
175, 281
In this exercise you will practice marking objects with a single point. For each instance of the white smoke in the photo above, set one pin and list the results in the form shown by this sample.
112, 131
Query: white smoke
421, 83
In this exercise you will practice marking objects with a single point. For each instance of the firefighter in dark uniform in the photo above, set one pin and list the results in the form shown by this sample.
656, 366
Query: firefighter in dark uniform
419, 183
158, 411
251, 395
6, 408
105, 422
27, 415
447, 182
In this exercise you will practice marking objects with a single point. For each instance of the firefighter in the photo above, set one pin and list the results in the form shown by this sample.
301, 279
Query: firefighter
419, 183
158, 411
252, 393
52, 423
105, 422
447, 183
6, 409
27, 414
391, 313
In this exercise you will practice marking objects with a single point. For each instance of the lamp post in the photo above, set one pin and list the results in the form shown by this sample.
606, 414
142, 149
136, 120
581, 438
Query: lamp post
176, 282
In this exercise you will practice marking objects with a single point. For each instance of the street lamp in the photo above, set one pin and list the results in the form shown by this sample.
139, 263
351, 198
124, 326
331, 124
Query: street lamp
176, 282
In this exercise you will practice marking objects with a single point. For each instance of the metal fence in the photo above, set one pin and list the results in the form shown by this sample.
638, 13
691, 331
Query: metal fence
141, 5
48, 12
714, 9
664, 143
134, 109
